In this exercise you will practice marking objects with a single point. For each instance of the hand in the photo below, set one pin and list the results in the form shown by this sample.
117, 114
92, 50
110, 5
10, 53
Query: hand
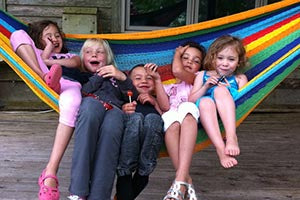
151, 69
129, 107
215, 80
111, 71
143, 98
49, 44
180, 50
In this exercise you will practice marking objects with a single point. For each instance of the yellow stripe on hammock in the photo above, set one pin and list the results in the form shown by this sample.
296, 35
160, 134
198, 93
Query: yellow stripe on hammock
272, 37
28, 82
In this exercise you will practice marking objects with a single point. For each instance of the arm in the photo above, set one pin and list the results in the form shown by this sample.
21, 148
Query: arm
73, 62
143, 98
178, 69
125, 85
242, 80
198, 89
48, 50
93, 84
161, 96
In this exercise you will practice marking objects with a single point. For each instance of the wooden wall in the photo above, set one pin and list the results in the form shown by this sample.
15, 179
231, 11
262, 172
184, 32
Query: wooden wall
286, 94
34, 10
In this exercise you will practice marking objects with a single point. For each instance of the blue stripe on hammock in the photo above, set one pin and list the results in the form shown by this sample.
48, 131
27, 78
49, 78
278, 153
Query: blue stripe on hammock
12, 21
260, 83
165, 57
29, 77
7, 26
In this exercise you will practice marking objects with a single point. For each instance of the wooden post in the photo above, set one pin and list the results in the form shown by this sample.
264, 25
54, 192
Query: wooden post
3, 4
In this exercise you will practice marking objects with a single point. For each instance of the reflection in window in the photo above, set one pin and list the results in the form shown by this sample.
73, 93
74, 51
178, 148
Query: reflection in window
158, 14
212, 9
168, 13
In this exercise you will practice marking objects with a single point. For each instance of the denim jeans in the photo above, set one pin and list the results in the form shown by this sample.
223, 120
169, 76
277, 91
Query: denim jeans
142, 140
98, 136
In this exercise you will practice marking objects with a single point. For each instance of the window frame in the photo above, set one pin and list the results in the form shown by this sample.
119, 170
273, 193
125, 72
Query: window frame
191, 15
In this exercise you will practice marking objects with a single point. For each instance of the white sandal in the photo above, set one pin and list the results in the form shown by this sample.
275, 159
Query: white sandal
191, 194
174, 192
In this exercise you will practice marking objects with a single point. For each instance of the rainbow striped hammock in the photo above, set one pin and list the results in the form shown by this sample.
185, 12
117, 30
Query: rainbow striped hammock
271, 35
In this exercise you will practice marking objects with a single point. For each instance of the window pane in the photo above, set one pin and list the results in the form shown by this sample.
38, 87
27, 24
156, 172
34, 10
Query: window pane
168, 13
212, 9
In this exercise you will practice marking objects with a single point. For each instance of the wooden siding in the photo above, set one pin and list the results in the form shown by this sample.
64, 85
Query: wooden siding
33, 10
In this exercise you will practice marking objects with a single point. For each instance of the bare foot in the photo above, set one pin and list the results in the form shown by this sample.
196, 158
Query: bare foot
226, 160
232, 147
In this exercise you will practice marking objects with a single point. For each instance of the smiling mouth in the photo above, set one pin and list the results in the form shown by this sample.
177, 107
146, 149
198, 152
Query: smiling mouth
95, 62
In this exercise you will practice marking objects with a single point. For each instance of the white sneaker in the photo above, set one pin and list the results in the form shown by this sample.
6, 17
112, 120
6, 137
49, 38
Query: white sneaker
75, 197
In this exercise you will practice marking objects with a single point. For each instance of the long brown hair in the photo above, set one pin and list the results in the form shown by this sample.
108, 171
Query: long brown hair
221, 43
35, 31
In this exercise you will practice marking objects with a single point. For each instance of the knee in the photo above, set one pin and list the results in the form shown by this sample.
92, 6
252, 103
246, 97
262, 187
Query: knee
136, 118
154, 121
113, 122
206, 104
19, 38
220, 92
190, 118
91, 109
69, 103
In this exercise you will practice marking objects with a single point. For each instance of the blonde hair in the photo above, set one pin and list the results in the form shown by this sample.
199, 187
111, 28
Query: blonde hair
102, 43
221, 43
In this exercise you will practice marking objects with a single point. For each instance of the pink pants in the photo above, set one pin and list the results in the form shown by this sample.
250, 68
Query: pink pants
70, 96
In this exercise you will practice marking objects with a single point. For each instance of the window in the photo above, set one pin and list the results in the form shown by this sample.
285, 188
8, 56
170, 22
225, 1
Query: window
141, 15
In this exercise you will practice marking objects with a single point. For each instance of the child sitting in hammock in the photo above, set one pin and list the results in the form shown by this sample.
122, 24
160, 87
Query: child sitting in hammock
41, 48
143, 135
99, 127
180, 122
214, 92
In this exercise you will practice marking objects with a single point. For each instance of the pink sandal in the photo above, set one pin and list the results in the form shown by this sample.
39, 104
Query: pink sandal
46, 192
53, 76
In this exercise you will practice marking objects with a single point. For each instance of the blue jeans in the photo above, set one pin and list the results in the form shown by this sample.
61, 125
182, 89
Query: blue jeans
98, 136
142, 140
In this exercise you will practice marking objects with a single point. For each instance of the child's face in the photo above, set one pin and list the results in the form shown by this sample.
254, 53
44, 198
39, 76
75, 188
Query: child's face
52, 33
142, 81
94, 57
227, 61
191, 59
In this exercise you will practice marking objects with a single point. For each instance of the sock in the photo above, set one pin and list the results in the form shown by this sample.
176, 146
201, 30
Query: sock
139, 183
124, 188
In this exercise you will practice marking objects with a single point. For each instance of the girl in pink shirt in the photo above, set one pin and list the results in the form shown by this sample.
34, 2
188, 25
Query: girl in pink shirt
42, 49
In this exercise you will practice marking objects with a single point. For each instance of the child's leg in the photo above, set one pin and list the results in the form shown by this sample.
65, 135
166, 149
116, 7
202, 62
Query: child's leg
62, 138
131, 144
24, 46
172, 143
153, 130
107, 154
69, 103
85, 145
188, 134
129, 155
124, 187
226, 108
209, 120
28, 55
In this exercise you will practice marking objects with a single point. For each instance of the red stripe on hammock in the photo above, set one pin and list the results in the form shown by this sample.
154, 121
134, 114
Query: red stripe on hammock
251, 38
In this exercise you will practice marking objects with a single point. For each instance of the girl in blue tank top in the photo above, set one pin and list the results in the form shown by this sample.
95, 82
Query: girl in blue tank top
214, 92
